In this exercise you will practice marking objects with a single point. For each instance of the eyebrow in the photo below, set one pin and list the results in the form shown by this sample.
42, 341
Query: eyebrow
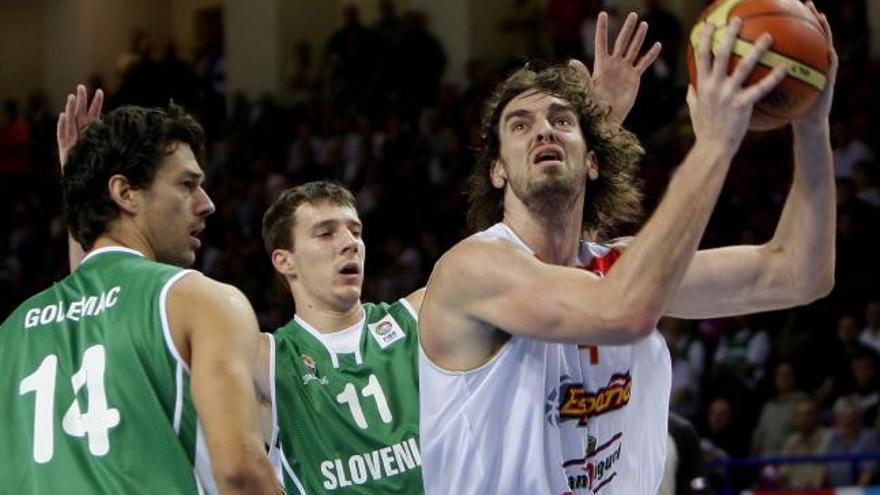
189, 174
553, 108
333, 221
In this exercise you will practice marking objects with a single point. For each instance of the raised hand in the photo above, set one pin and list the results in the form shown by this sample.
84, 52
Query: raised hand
76, 116
617, 75
720, 105
818, 114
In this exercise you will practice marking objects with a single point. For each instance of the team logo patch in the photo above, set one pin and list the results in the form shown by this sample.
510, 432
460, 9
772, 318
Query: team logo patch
311, 371
386, 331
575, 402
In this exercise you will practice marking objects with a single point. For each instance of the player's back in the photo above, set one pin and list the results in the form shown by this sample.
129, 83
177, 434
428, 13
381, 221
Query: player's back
97, 398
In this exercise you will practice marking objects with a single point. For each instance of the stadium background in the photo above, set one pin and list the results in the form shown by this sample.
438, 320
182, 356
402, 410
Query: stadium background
294, 90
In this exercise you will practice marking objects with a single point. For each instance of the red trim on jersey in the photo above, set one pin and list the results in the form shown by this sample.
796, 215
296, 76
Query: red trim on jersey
601, 264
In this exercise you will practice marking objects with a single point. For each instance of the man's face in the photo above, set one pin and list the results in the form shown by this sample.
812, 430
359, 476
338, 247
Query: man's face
543, 155
848, 329
175, 207
805, 417
328, 254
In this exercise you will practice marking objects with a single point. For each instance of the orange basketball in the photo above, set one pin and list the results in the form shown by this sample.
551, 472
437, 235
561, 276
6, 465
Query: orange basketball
798, 40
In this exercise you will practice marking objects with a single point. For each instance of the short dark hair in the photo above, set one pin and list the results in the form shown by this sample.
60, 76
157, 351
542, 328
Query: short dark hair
278, 221
130, 141
611, 200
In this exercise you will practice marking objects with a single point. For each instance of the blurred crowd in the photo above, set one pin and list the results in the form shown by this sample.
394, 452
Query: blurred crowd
371, 109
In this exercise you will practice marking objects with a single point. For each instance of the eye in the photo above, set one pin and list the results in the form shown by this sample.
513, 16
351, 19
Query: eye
323, 233
518, 127
563, 121
356, 232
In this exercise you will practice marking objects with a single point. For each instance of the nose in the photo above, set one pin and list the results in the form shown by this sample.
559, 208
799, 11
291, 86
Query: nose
545, 132
204, 205
349, 242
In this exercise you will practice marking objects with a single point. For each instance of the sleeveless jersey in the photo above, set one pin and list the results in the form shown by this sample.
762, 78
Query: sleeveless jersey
348, 422
97, 399
548, 418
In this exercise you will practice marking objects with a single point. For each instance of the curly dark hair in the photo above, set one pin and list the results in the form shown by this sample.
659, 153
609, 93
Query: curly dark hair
612, 200
278, 221
129, 141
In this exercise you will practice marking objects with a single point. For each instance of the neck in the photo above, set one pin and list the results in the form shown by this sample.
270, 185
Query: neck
554, 237
117, 238
327, 319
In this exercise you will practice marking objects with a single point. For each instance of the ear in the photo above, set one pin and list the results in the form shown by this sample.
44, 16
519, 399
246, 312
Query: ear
592, 166
127, 199
497, 174
282, 260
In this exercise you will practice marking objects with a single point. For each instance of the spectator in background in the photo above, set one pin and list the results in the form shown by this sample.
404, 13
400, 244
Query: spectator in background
303, 77
808, 438
521, 27
15, 135
839, 357
850, 436
563, 19
724, 436
685, 472
742, 351
775, 422
865, 182
353, 52
688, 362
849, 147
870, 335
424, 59
866, 387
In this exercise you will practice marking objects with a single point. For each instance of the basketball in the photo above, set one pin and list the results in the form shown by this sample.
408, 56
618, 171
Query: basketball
798, 40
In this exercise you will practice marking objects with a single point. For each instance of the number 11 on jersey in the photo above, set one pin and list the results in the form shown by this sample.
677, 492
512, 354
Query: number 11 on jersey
373, 389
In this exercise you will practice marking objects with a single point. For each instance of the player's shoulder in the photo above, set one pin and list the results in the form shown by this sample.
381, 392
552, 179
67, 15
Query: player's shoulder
479, 253
197, 289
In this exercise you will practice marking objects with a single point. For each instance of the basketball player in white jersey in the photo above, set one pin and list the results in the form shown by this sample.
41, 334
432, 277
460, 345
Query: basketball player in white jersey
515, 397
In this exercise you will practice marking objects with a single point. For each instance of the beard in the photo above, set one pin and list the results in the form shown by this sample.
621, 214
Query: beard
548, 198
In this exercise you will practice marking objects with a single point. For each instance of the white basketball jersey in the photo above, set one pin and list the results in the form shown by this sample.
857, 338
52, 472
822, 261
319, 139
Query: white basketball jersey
548, 418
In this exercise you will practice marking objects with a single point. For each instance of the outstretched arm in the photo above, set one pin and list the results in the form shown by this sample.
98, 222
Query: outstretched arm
76, 116
797, 265
481, 285
617, 75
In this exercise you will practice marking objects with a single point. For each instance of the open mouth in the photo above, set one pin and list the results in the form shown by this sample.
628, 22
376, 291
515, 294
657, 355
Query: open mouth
548, 154
351, 268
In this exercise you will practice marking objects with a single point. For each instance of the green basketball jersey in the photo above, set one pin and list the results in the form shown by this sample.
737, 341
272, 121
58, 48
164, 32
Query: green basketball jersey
349, 422
96, 399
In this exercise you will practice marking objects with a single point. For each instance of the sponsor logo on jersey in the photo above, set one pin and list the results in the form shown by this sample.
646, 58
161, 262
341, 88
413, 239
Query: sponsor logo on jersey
575, 402
597, 468
311, 371
359, 469
386, 331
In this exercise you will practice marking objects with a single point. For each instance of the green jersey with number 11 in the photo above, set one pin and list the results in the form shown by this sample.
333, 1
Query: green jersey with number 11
347, 404
96, 399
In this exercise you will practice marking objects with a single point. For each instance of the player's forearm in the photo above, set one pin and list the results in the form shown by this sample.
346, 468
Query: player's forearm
802, 248
649, 273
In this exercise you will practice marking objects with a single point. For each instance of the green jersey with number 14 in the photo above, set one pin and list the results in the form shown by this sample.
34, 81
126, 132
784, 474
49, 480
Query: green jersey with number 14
96, 399
348, 414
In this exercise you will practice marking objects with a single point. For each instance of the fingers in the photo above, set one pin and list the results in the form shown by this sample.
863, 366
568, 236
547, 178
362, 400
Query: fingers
761, 88
635, 46
601, 39
70, 128
625, 33
703, 57
722, 58
79, 107
98, 102
745, 66
649, 58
